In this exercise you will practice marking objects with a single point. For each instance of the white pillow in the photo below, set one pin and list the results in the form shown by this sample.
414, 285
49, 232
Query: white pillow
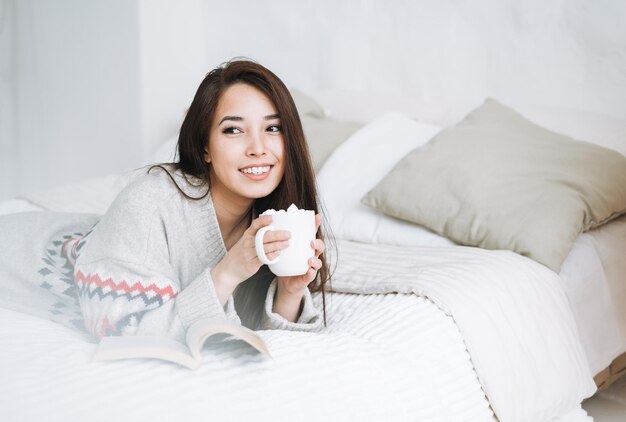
356, 166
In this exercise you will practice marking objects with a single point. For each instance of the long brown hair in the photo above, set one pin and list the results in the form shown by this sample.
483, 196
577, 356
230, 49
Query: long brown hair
298, 183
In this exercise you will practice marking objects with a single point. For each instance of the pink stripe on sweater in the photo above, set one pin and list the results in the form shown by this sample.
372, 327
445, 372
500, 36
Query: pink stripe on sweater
94, 279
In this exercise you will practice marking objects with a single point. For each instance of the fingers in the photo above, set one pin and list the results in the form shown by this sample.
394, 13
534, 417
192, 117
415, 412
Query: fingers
274, 248
274, 242
276, 236
271, 255
257, 223
319, 246
315, 264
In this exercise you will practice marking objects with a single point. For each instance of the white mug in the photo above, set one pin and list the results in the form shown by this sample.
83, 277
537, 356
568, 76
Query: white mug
294, 260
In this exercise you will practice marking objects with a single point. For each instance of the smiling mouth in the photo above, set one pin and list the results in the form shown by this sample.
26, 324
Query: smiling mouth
256, 170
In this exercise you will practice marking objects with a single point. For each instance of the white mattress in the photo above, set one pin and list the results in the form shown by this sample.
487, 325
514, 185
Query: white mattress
382, 357
594, 279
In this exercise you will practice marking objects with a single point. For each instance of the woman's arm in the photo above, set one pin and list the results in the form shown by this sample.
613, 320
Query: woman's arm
289, 302
123, 298
129, 271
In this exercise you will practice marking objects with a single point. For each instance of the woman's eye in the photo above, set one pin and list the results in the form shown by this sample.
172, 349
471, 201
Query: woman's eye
231, 130
274, 128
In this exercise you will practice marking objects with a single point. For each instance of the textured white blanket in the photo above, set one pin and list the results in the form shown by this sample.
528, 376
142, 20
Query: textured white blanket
382, 357
511, 311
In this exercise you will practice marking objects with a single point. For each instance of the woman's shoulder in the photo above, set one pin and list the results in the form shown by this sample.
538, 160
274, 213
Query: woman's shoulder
162, 184
151, 200
156, 193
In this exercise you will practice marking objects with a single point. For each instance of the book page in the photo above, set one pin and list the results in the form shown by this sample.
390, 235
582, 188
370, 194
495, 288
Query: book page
125, 347
204, 328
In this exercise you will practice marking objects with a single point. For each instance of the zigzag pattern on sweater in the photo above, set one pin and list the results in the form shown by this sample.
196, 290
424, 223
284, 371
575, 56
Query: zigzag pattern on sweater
92, 285
107, 328
57, 274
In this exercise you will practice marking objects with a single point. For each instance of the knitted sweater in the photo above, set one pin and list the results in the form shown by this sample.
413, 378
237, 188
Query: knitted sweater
145, 268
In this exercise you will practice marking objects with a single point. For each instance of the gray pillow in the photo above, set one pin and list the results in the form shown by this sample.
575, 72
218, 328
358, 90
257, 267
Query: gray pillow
498, 181
306, 105
323, 134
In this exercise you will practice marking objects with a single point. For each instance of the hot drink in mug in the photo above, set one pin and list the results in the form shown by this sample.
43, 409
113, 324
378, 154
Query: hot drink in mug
294, 260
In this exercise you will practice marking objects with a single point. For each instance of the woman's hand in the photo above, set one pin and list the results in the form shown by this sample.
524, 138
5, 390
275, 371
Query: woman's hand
241, 261
290, 290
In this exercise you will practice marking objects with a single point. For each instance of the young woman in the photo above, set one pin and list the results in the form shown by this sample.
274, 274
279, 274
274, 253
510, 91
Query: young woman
178, 244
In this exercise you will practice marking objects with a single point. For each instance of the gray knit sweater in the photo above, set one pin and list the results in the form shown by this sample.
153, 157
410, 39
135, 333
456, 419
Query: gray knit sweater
145, 268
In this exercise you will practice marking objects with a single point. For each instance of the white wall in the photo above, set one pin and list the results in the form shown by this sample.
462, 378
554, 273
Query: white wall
448, 53
92, 86
7, 100
76, 70
557, 52
173, 61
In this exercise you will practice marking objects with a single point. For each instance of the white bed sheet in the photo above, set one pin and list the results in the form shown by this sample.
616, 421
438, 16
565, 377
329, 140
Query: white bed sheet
382, 357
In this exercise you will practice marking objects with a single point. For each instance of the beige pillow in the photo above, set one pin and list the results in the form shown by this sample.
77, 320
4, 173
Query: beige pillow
498, 181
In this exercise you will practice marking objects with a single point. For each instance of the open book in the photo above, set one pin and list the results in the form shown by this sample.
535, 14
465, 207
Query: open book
189, 355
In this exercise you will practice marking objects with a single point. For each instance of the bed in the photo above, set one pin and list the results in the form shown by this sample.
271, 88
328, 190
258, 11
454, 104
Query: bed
419, 327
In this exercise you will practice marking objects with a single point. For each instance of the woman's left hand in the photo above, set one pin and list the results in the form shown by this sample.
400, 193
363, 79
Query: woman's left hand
290, 290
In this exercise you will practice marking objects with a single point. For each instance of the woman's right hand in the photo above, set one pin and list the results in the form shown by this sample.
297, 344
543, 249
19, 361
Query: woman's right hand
241, 261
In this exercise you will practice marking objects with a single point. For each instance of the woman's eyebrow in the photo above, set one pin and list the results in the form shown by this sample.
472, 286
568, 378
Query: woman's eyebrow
233, 118
240, 119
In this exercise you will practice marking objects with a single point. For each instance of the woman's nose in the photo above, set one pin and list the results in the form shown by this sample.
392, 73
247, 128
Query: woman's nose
256, 145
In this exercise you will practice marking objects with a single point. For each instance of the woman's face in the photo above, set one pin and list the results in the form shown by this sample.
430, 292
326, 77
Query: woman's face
247, 149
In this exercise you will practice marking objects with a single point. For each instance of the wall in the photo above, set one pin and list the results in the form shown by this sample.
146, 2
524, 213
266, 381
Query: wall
90, 87
558, 52
75, 67
172, 63
7, 100
449, 54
